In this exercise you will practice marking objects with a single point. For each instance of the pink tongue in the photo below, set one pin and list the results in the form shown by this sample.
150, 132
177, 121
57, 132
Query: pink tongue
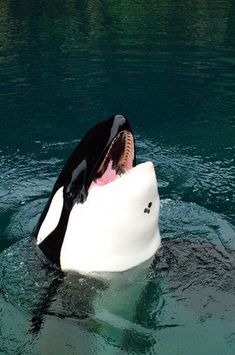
108, 176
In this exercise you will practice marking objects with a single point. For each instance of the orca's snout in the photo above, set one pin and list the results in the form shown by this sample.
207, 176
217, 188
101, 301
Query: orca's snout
120, 119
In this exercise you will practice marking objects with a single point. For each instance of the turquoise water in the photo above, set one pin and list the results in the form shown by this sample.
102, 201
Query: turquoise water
170, 67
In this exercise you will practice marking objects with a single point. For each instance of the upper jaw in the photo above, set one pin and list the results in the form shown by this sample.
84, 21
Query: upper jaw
119, 159
88, 162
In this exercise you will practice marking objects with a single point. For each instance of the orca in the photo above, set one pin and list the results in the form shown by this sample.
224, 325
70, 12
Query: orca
102, 214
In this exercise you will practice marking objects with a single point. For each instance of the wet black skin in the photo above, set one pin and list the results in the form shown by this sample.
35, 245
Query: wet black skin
77, 175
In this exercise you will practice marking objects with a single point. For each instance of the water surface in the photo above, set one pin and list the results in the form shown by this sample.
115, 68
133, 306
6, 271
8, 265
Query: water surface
170, 67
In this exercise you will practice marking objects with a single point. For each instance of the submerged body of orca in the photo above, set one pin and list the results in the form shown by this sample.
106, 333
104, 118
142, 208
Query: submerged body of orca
103, 210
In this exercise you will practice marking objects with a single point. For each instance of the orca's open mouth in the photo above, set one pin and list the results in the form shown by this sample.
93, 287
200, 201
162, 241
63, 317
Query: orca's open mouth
118, 160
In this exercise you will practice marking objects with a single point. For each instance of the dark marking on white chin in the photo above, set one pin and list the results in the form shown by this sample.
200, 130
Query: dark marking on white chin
147, 209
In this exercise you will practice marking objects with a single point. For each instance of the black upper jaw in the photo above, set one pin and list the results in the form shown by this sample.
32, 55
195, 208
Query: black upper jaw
90, 158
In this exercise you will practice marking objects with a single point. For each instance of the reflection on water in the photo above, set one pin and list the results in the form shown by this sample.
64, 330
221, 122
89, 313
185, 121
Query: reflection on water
169, 66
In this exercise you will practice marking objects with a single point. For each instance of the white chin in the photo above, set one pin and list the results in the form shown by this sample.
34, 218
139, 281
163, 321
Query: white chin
117, 227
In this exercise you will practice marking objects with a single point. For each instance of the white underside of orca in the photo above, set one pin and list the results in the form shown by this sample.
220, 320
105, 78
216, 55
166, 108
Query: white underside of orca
114, 230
